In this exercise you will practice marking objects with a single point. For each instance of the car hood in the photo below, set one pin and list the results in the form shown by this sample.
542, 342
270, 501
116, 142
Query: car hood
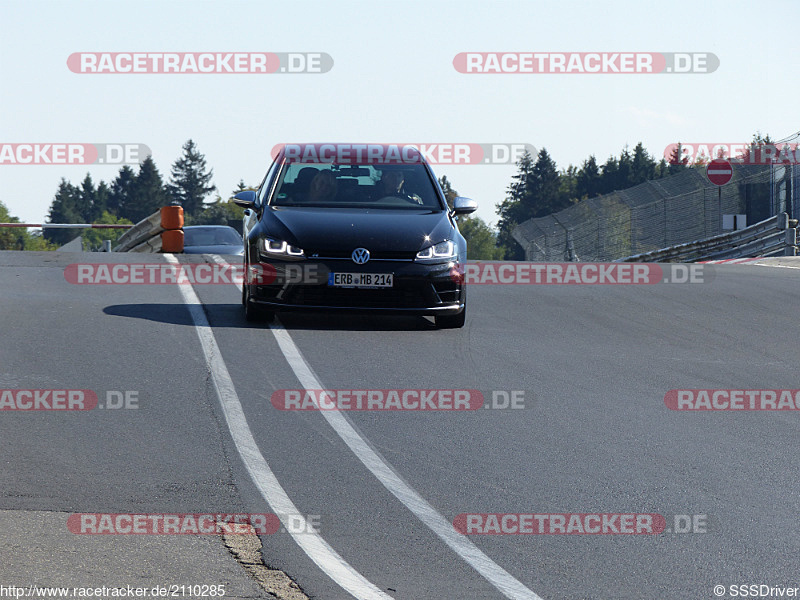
343, 230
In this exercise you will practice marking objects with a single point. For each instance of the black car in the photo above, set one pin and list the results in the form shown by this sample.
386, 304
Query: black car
212, 239
353, 228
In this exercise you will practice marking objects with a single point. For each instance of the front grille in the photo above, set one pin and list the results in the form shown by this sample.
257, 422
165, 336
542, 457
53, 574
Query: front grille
338, 255
414, 297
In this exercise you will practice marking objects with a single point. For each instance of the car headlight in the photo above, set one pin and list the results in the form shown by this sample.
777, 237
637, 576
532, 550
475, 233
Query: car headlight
441, 251
280, 249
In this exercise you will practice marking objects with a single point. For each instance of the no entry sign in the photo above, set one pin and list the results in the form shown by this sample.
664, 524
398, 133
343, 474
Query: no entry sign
719, 171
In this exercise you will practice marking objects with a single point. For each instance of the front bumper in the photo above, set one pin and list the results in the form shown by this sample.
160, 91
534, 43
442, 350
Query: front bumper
420, 289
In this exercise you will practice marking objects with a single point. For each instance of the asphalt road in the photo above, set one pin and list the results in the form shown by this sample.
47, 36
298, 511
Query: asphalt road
593, 362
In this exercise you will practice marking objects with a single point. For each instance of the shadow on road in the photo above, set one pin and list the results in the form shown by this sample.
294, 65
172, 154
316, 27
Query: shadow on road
232, 316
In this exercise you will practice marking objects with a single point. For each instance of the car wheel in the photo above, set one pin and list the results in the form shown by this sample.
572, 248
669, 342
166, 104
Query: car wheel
245, 271
252, 312
452, 321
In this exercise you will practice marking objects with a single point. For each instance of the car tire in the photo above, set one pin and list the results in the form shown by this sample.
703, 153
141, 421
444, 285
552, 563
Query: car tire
254, 313
452, 321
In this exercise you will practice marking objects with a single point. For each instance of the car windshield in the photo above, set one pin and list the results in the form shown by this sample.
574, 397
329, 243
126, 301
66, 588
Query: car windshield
211, 236
394, 186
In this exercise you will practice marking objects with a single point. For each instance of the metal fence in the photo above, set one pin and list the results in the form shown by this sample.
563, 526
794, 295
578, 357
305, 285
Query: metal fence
661, 213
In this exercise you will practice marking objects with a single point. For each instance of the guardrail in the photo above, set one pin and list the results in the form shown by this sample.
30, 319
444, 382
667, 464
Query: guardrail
160, 232
776, 235
66, 225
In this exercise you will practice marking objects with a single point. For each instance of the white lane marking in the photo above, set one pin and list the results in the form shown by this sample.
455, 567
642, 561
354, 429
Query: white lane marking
501, 579
392, 481
317, 549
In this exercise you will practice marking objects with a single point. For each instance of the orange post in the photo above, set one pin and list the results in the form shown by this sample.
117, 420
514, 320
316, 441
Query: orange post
172, 240
172, 218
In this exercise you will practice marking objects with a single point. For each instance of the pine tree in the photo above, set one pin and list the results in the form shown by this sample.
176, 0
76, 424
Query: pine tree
609, 175
120, 194
643, 166
515, 208
625, 170
449, 193
87, 196
588, 179
189, 180
147, 193
100, 205
546, 192
64, 209
754, 153
677, 162
568, 185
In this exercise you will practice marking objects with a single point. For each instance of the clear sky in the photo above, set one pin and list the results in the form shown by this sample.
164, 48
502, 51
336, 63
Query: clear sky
392, 79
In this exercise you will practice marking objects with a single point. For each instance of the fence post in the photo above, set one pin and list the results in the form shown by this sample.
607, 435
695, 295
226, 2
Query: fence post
571, 247
791, 242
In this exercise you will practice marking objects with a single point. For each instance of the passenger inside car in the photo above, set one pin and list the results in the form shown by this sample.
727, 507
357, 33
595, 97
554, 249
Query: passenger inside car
323, 187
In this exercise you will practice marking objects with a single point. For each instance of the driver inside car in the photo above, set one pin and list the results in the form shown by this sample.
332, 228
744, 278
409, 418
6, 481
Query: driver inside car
391, 184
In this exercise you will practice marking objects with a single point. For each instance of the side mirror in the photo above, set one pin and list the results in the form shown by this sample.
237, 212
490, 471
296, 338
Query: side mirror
246, 199
464, 206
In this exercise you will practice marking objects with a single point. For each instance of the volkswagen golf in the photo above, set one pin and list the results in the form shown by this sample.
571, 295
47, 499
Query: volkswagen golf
353, 227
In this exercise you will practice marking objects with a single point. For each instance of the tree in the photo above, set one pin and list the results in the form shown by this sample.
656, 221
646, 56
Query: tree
677, 162
754, 153
624, 170
588, 179
18, 238
11, 238
93, 238
516, 208
609, 175
100, 204
189, 183
147, 194
662, 169
218, 213
643, 166
481, 239
449, 193
120, 195
87, 197
241, 187
36, 241
546, 189
65, 208
537, 192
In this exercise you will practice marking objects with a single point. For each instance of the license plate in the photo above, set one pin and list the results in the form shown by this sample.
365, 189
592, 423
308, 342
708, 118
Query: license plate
361, 280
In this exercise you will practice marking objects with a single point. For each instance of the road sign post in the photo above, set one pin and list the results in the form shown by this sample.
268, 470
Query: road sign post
719, 172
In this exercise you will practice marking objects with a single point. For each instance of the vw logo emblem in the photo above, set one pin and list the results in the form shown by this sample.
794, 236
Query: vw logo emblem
360, 256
